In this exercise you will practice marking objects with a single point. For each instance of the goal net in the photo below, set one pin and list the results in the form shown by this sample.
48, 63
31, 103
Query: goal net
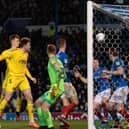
113, 22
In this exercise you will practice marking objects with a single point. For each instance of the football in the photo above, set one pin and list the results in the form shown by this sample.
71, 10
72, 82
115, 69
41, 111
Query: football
100, 37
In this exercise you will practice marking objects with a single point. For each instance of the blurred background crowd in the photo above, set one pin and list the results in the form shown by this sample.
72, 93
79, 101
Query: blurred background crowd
42, 12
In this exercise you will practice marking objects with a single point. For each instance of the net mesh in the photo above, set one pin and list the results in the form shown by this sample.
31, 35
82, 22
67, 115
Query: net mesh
116, 37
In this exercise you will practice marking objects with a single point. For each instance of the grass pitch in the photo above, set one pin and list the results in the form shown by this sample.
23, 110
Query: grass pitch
76, 124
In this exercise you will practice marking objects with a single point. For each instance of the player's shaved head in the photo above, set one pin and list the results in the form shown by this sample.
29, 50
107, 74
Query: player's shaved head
51, 49
24, 41
61, 43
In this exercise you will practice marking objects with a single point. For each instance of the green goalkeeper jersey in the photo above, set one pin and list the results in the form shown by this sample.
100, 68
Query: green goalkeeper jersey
55, 70
57, 75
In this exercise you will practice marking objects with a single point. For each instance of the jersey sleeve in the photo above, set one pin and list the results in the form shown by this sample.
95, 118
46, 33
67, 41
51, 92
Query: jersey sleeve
4, 55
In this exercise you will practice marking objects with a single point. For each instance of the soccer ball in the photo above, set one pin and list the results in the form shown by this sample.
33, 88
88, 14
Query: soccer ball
100, 37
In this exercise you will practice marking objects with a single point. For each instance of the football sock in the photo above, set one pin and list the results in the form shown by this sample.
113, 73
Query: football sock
30, 111
48, 118
41, 117
18, 104
125, 114
104, 106
67, 109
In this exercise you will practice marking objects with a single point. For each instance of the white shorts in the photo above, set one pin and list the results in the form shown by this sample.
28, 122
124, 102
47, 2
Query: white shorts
104, 94
69, 90
120, 95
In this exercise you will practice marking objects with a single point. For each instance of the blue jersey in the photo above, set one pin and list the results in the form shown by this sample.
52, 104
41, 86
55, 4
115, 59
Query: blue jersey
101, 84
64, 59
118, 80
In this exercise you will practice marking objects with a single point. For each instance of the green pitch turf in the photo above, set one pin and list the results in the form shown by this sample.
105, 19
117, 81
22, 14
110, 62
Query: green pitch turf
23, 124
110, 123
76, 124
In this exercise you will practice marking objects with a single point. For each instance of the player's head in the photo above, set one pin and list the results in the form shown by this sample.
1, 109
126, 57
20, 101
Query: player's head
61, 44
51, 49
95, 63
113, 54
14, 40
25, 43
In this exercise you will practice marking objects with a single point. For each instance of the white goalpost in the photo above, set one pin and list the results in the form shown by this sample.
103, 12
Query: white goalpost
89, 61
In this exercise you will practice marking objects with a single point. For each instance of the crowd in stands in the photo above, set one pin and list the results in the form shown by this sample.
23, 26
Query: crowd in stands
43, 11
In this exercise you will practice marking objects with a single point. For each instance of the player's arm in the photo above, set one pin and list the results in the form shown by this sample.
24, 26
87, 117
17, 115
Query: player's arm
119, 70
28, 74
83, 79
105, 75
78, 75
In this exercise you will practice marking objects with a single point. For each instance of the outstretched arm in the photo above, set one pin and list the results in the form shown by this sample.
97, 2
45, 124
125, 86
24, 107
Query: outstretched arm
118, 71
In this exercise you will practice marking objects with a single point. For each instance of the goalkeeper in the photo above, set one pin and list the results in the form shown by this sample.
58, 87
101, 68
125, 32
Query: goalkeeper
57, 75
